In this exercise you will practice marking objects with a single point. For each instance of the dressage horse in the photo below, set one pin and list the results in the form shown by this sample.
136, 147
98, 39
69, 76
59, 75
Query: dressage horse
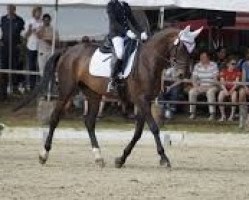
165, 48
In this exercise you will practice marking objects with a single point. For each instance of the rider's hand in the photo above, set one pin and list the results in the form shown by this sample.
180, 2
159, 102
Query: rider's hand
131, 35
144, 36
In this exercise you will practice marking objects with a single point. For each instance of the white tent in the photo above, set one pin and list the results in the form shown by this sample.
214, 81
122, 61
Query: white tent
225, 5
136, 3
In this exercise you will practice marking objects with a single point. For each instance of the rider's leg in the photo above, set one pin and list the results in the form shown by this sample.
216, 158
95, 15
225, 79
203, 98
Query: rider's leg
118, 44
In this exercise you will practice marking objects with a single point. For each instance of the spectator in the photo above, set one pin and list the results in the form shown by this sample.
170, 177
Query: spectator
221, 55
171, 92
244, 91
85, 39
229, 74
204, 74
45, 35
11, 27
32, 27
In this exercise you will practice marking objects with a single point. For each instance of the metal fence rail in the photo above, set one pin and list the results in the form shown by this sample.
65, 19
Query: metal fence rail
204, 103
239, 83
23, 72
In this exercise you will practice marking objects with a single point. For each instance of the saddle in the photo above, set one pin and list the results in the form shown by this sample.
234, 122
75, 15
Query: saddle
130, 46
104, 56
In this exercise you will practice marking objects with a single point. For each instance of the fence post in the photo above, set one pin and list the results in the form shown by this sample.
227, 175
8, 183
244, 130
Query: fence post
242, 116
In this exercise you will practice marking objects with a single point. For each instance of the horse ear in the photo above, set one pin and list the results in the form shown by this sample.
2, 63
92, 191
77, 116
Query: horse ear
197, 32
187, 29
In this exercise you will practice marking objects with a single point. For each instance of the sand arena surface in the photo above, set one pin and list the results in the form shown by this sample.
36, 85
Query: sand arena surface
201, 169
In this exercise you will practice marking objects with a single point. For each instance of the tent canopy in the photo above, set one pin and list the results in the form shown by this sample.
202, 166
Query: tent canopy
225, 5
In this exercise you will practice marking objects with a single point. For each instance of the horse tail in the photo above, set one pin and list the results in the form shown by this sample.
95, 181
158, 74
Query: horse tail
48, 75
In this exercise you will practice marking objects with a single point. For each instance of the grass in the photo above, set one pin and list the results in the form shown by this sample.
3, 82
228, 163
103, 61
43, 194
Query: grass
27, 118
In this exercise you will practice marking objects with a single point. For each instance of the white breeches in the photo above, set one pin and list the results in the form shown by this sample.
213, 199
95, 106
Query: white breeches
118, 43
42, 60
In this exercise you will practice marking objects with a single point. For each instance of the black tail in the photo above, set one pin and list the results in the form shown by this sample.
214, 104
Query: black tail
48, 75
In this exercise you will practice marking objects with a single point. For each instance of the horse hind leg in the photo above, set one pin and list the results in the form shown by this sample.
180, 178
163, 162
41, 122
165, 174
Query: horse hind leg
90, 122
54, 121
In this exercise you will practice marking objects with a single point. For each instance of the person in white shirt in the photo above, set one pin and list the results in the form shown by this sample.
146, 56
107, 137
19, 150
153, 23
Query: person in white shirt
31, 29
45, 35
204, 76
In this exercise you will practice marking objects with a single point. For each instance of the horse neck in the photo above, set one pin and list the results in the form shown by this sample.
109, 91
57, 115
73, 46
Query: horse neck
153, 62
159, 53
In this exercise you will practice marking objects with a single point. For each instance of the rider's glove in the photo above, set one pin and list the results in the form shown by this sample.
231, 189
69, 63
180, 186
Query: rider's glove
144, 36
131, 35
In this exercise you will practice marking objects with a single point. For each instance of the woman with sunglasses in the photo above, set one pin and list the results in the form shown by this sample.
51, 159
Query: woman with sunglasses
231, 75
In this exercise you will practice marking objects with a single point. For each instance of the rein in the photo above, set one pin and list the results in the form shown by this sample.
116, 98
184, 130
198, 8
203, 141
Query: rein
168, 59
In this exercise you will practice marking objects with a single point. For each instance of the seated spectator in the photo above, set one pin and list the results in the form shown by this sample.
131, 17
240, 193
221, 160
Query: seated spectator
101, 106
204, 75
171, 91
244, 60
220, 57
229, 74
85, 39
244, 91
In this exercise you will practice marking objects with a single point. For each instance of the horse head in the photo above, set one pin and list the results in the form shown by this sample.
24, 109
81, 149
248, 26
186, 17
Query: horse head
183, 45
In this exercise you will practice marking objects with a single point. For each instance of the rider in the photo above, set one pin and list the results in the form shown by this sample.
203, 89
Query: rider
120, 18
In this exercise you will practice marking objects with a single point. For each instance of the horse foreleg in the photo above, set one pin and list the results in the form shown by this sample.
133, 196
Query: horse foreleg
137, 135
93, 106
156, 133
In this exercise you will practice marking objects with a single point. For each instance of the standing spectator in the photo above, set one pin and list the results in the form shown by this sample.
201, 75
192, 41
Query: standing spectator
32, 27
204, 74
45, 35
229, 74
221, 55
11, 27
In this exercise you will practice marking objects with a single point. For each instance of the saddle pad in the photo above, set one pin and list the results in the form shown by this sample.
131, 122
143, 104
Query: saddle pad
100, 64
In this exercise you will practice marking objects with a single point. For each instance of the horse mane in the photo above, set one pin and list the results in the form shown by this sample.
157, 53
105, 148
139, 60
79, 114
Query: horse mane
165, 34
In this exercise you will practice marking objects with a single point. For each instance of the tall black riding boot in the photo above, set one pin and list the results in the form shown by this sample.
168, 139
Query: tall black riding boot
114, 76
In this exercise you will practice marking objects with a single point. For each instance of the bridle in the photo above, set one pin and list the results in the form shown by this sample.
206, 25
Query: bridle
168, 58
172, 60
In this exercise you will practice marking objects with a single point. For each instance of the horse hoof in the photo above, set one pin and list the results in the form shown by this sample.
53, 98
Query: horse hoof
43, 157
165, 163
100, 162
118, 163
42, 160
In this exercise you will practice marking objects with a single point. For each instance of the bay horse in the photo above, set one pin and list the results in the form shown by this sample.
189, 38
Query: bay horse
140, 88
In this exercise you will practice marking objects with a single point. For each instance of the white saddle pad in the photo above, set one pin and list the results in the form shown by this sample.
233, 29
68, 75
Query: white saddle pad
100, 65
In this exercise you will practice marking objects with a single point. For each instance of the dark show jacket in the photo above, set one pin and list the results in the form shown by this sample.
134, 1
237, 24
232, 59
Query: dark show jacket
120, 16
17, 25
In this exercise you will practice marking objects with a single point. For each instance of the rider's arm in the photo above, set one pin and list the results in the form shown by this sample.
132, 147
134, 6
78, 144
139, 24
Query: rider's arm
132, 19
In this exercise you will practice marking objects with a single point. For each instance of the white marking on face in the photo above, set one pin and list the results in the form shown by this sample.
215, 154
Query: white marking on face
176, 42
